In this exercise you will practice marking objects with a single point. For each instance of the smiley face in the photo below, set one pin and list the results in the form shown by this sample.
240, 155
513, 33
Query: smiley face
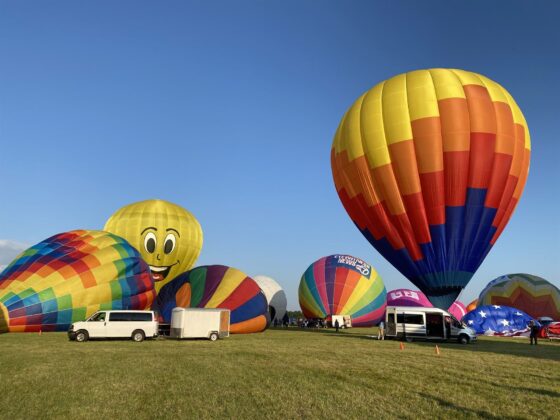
162, 247
168, 237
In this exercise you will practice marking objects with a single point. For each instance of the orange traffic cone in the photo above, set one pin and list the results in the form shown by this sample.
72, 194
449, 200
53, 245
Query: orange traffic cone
40, 332
437, 349
401, 346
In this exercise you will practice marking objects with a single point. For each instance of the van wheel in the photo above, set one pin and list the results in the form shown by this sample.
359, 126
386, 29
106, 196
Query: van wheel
463, 339
82, 336
213, 337
138, 336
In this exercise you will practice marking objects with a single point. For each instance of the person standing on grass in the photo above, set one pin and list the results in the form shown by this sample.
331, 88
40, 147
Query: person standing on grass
534, 331
336, 325
381, 331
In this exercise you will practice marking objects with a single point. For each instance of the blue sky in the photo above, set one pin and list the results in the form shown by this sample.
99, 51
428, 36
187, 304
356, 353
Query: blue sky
229, 109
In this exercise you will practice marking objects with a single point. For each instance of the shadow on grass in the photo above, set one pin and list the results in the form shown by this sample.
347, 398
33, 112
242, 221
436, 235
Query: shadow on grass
462, 410
503, 346
327, 332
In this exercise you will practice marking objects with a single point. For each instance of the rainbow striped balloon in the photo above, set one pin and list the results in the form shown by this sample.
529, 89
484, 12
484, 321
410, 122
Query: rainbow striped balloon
533, 295
343, 285
217, 286
68, 277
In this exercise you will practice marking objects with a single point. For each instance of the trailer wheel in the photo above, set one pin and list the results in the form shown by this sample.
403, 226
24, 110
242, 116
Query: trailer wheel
463, 339
138, 335
213, 336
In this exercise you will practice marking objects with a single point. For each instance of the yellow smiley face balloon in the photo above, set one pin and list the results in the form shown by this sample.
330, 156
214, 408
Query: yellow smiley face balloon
168, 237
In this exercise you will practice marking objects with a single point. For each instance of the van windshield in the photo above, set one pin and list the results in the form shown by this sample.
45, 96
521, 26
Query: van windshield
99, 316
456, 323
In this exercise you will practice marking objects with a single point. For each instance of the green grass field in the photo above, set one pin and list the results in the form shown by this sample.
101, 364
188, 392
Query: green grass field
277, 374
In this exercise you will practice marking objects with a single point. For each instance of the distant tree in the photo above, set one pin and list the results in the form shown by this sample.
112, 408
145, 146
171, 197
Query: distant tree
295, 314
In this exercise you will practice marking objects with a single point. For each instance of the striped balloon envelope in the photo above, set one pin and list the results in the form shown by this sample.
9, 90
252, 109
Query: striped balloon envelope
532, 294
430, 166
217, 286
458, 310
68, 277
343, 285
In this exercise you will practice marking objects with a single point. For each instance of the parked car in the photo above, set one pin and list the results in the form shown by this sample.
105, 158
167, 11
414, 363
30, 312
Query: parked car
136, 325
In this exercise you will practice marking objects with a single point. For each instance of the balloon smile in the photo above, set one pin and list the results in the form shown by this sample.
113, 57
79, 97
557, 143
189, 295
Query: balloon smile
159, 273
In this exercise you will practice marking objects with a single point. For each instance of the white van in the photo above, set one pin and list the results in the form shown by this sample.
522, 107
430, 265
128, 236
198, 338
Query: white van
136, 325
200, 323
418, 323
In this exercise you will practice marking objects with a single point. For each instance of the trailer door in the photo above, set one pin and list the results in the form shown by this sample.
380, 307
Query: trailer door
391, 322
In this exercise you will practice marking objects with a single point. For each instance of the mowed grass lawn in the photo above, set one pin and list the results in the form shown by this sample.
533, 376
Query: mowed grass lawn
277, 374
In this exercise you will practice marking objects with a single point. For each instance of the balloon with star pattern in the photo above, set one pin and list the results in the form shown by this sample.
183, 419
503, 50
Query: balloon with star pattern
498, 320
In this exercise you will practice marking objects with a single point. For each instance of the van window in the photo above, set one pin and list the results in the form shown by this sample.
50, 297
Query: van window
100, 316
410, 319
391, 318
130, 316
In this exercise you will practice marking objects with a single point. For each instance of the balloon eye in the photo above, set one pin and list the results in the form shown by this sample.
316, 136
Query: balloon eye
170, 242
150, 242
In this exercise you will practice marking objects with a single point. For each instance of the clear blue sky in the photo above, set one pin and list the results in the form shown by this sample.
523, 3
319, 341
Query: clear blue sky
229, 109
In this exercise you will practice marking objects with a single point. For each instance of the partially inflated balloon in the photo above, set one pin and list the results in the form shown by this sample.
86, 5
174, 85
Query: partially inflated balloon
406, 297
532, 294
471, 306
217, 286
457, 309
168, 236
430, 166
275, 296
498, 320
68, 277
343, 285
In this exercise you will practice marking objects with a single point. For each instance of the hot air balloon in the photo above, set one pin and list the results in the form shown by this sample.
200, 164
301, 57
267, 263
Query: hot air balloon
471, 306
406, 297
498, 320
429, 166
457, 309
68, 277
275, 296
217, 286
343, 285
533, 295
168, 237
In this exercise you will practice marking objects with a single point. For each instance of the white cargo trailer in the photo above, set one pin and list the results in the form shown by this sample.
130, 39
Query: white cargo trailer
200, 323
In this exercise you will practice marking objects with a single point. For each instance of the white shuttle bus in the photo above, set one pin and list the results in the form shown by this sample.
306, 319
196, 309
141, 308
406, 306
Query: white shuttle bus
136, 325
419, 323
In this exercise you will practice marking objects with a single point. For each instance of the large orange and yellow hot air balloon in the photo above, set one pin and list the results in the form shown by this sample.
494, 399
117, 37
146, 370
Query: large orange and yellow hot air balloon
430, 166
